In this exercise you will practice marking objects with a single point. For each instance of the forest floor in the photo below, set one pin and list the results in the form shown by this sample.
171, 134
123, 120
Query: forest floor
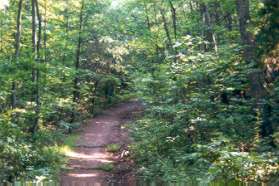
100, 156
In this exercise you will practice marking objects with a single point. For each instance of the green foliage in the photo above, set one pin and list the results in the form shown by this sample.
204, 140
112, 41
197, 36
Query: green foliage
208, 113
113, 148
107, 167
21, 157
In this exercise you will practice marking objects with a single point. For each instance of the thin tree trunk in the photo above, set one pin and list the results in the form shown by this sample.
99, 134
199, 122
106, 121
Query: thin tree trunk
17, 50
169, 45
34, 26
45, 32
94, 93
174, 19
38, 99
66, 17
148, 23
159, 53
1, 34
36, 72
39, 30
76, 93
217, 13
209, 33
229, 21
174, 25
18, 30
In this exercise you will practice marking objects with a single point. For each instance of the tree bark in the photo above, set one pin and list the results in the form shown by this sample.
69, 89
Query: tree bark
76, 86
45, 32
66, 17
94, 94
174, 25
147, 17
37, 56
208, 32
18, 30
1, 34
245, 36
174, 19
169, 45
229, 21
76, 93
34, 26
17, 50
39, 30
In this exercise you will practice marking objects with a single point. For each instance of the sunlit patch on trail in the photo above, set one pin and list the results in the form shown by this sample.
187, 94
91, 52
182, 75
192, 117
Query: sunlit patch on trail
84, 175
98, 156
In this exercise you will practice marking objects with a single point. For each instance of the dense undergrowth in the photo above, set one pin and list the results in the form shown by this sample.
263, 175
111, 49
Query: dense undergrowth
210, 114
189, 130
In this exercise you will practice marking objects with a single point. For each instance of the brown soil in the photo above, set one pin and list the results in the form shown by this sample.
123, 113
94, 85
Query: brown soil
90, 157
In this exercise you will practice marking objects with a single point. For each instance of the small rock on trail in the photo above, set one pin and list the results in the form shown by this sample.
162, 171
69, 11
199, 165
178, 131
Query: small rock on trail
89, 163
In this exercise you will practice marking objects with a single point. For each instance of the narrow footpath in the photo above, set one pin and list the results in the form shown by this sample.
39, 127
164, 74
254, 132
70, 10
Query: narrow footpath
90, 160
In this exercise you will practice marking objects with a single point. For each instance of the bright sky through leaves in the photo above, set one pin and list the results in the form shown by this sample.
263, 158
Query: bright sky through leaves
115, 3
3, 4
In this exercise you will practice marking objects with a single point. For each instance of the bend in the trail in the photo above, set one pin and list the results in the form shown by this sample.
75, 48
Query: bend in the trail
90, 155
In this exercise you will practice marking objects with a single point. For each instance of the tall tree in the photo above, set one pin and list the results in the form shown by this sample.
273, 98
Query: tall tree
166, 28
76, 93
17, 49
208, 26
36, 41
243, 12
174, 25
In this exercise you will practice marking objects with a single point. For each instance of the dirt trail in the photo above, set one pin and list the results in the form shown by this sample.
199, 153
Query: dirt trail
90, 152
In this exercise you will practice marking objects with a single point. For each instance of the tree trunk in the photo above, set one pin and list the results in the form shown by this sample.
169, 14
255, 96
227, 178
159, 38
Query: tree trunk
94, 94
229, 21
76, 93
17, 50
66, 17
148, 24
1, 34
174, 19
245, 36
34, 26
18, 30
147, 17
169, 45
256, 78
256, 83
45, 32
39, 30
36, 52
208, 32
174, 25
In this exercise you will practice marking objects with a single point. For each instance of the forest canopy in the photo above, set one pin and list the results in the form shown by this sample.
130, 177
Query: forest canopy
206, 72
